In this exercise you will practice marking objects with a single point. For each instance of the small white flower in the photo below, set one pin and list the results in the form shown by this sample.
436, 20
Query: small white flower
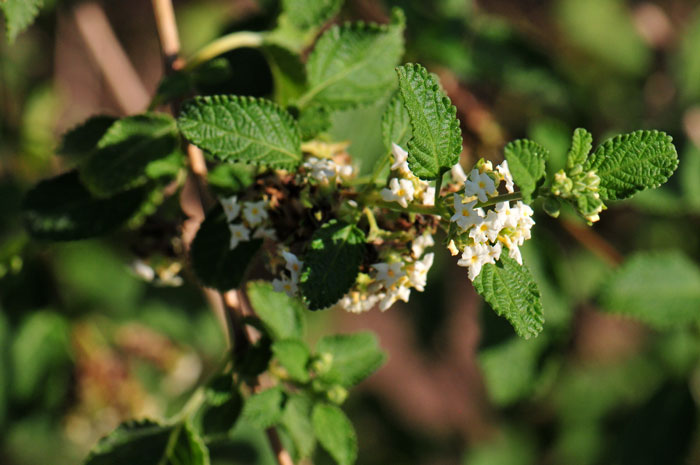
401, 191
509, 216
514, 253
479, 184
239, 233
428, 195
344, 171
285, 285
359, 302
394, 294
254, 212
474, 257
143, 270
231, 207
458, 174
265, 233
495, 252
388, 273
421, 243
294, 265
417, 271
465, 214
504, 171
400, 160
452, 247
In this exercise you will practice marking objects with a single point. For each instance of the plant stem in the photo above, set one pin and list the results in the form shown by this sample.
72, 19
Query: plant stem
224, 44
232, 301
499, 199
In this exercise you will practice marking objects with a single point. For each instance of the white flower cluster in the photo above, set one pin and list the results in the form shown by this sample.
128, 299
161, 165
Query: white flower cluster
325, 170
392, 280
252, 223
483, 234
407, 187
289, 282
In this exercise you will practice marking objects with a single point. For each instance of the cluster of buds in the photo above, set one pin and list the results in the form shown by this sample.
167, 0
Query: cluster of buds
247, 220
405, 187
391, 280
325, 165
480, 233
581, 188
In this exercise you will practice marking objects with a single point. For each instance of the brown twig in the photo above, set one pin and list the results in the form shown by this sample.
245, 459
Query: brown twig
593, 242
123, 80
232, 301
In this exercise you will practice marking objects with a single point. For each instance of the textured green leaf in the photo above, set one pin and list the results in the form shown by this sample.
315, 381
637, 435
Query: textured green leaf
264, 409
293, 355
281, 315
288, 72
82, 140
310, 13
331, 263
512, 292
632, 162
581, 144
61, 209
148, 443
242, 129
125, 151
353, 357
352, 64
526, 160
661, 289
436, 139
296, 419
335, 433
19, 15
214, 263
396, 123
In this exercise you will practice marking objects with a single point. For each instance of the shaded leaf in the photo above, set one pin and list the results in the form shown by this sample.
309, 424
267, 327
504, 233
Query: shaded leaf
264, 409
61, 209
331, 263
213, 261
661, 289
309, 13
294, 356
80, 141
396, 123
19, 15
296, 419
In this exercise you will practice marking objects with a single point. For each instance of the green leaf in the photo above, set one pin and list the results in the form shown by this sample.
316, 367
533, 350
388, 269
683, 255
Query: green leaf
436, 140
219, 389
310, 13
687, 62
61, 209
689, 175
632, 162
313, 120
41, 344
294, 356
125, 151
220, 417
581, 144
82, 140
512, 292
213, 261
264, 409
288, 72
335, 433
353, 357
396, 123
19, 15
352, 64
242, 129
281, 315
331, 263
296, 419
229, 179
148, 443
661, 289
526, 161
